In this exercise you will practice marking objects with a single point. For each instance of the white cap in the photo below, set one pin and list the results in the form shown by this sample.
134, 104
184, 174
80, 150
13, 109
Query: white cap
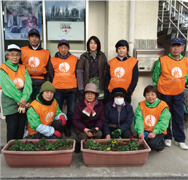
12, 47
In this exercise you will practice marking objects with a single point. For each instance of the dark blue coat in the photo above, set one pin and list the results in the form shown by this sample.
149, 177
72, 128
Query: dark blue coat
123, 119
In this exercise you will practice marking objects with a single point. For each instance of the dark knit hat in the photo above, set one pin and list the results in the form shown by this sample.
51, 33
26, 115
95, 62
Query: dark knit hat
47, 86
34, 31
119, 92
122, 43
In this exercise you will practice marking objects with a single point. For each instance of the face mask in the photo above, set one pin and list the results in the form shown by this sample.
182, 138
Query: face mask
119, 101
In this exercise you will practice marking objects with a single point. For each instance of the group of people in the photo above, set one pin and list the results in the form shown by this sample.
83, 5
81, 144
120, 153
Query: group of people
35, 87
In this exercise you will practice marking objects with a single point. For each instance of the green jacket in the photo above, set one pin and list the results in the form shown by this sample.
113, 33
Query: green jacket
35, 123
157, 70
10, 94
162, 123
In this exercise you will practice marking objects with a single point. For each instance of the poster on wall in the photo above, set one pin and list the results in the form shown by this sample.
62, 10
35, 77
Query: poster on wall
65, 20
20, 17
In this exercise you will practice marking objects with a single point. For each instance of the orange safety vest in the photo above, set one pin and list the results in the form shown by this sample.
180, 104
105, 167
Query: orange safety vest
35, 62
151, 115
64, 72
121, 73
17, 77
46, 114
172, 78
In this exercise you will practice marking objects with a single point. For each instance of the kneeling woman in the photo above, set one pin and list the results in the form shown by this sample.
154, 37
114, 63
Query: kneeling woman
152, 119
88, 118
45, 118
118, 116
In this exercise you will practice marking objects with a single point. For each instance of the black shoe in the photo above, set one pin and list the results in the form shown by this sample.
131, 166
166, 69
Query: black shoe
67, 132
77, 147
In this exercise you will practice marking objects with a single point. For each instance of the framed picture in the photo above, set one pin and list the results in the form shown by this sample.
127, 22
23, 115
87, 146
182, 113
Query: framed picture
20, 17
66, 20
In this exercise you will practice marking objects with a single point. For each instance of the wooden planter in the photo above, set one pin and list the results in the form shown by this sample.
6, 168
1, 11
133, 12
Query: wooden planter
94, 158
16, 159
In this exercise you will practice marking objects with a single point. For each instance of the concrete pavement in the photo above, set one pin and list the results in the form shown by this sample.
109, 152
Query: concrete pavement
170, 164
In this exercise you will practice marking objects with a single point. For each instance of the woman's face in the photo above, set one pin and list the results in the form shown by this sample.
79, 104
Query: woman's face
48, 95
122, 51
89, 96
14, 56
93, 46
151, 97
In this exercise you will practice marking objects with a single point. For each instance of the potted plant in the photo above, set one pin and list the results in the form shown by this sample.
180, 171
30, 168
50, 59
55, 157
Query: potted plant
39, 153
114, 152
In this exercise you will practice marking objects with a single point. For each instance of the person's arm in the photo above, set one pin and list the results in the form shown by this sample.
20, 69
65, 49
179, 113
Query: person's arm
186, 77
8, 87
138, 121
156, 72
163, 122
47, 75
27, 90
134, 81
80, 73
51, 71
35, 123
129, 119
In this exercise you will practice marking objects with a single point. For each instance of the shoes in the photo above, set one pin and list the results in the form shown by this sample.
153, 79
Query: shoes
67, 132
161, 150
181, 145
168, 142
77, 147
26, 135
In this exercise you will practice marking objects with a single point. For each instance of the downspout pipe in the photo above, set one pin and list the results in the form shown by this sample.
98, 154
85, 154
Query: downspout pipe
131, 26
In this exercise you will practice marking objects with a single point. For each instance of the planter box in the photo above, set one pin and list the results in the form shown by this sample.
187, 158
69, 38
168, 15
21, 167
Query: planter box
95, 158
58, 158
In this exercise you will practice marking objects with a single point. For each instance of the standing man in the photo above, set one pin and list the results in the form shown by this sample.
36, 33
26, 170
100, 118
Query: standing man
36, 61
170, 75
62, 74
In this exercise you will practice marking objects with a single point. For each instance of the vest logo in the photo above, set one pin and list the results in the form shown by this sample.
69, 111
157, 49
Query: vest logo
34, 62
176, 72
64, 67
119, 72
49, 117
18, 83
150, 120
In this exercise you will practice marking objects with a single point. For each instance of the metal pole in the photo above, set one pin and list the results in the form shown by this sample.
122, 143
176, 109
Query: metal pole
2, 49
178, 24
44, 23
175, 8
87, 21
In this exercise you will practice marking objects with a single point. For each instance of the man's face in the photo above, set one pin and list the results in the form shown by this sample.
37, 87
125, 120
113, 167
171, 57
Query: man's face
176, 49
34, 40
63, 49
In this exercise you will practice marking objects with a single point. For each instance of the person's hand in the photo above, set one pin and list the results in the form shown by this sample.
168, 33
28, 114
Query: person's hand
62, 120
81, 92
21, 110
57, 133
88, 133
151, 135
23, 103
141, 136
107, 136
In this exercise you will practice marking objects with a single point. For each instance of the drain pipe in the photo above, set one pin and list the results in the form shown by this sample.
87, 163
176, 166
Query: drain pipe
131, 26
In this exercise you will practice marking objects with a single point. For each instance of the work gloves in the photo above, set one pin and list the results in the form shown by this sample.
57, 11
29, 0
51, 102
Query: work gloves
93, 131
116, 133
62, 120
57, 133
21, 110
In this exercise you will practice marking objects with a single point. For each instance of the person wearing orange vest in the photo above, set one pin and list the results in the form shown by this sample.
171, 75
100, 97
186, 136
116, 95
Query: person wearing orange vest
45, 119
122, 72
169, 76
62, 70
152, 118
16, 87
36, 61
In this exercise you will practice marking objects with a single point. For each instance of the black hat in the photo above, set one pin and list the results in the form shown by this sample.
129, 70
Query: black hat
119, 92
122, 43
34, 31
63, 41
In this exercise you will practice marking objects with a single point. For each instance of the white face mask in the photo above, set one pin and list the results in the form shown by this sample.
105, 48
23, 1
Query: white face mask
119, 101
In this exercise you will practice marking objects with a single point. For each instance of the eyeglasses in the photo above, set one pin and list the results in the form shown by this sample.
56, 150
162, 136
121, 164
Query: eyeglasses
14, 55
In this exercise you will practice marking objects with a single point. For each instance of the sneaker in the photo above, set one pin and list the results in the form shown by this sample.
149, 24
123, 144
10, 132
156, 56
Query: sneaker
181, 145
67, 132
167, 142
161, 150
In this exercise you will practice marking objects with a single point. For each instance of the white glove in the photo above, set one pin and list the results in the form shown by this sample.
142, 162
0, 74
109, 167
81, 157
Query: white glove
27, 105
21, 110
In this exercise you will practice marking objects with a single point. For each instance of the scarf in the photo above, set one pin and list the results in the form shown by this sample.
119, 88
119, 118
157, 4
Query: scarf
43, 101
63, 57
89, 108
93, 54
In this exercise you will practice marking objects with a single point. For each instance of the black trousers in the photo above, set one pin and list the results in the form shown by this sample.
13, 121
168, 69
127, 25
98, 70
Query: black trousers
15, 126
157, 143
57, 126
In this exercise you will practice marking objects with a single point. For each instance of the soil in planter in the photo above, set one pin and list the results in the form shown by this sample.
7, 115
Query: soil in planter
120, 143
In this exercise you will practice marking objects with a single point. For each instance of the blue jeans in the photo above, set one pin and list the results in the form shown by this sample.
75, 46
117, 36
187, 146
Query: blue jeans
71, 101
175, 104
36, 90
